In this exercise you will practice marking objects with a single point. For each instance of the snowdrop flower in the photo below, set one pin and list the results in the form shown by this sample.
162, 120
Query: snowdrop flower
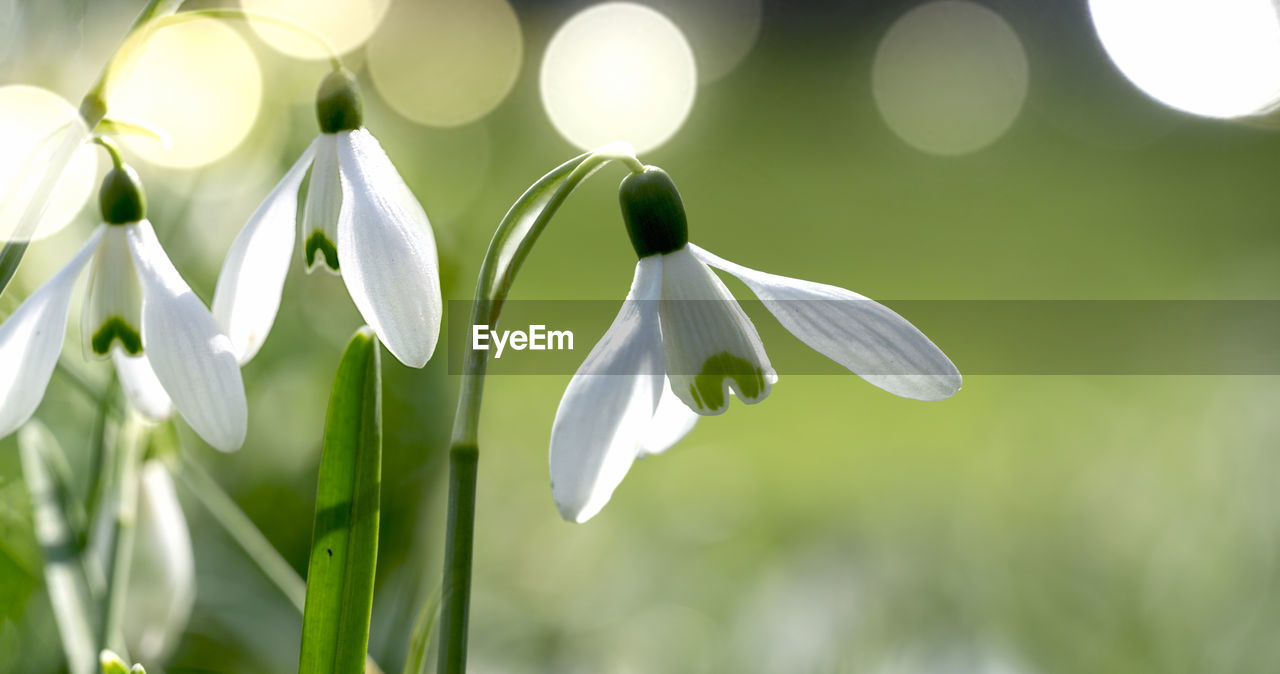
681, 343
359, 219
162, 580
138, 311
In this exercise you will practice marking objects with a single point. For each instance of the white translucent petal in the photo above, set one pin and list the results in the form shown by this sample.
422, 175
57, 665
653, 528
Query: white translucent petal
162, 579
141, 385
387, 251
189, 353
113, 293
863, 335
247, 296
672, 420
324, 204
603, 415
710, 343
31, 339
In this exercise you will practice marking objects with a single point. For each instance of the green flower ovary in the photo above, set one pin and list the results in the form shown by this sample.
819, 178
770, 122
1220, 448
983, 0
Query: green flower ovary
654, 212
121, 198
116, 328
707, 388
338, 103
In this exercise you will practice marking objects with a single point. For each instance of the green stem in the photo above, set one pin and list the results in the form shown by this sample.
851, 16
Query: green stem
120, 554
510, 246
94, 106
455, 594
101, 454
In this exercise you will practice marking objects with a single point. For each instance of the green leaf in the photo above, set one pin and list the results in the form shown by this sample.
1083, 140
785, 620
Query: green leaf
123, 127
63, 572
423, 629
344, 542
19, 552
10, 258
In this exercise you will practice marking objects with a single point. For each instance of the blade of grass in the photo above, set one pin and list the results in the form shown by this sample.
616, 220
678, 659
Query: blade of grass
344, 542
424, 627
63, 573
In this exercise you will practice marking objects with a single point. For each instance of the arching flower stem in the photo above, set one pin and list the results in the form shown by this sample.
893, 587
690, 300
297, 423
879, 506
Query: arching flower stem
511, 244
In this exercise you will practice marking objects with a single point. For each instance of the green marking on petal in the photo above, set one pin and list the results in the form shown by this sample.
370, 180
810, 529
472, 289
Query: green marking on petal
319, 242
707, 388
116, 328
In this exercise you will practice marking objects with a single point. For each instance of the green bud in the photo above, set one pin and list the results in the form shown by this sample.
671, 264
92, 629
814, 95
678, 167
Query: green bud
137, 669
121, 198
654, 213
338, 103
111, 663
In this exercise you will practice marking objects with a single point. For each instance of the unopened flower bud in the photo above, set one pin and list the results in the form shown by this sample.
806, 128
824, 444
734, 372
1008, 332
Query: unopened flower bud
111, 663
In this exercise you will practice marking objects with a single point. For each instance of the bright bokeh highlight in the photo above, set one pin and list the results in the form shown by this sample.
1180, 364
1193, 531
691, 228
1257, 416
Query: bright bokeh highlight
1214, 58
721, 32
198, 82
446, 63
618, 71
949, 77
347, 24
34, 125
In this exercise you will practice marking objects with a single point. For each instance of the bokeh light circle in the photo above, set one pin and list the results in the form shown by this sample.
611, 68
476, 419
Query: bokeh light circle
198, 82
35, 124
346, 23
950, 77
618, 71
1218, 58
446, 63
721, 32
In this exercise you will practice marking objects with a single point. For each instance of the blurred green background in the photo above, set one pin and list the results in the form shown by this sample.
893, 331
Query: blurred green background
1031, 524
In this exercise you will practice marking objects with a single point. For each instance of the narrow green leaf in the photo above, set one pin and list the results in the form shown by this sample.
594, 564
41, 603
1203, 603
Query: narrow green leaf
63, 573
10, 258
424, 627
344, 542
123, 127
19, 553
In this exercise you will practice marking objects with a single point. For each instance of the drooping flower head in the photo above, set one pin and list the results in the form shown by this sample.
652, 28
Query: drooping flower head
681, 343
359, 219
168, 350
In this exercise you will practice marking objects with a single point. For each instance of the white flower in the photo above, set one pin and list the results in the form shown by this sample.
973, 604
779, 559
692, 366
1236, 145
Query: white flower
162, 579
681, 343
168, 350
359, 217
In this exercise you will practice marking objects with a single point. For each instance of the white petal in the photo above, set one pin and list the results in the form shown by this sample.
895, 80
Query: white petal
323, 208
672, 420
603, 415
141, 385
387, 251
189, 353
31, 339
113, 302
863, 335
710, 343
247, 296
162, 580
